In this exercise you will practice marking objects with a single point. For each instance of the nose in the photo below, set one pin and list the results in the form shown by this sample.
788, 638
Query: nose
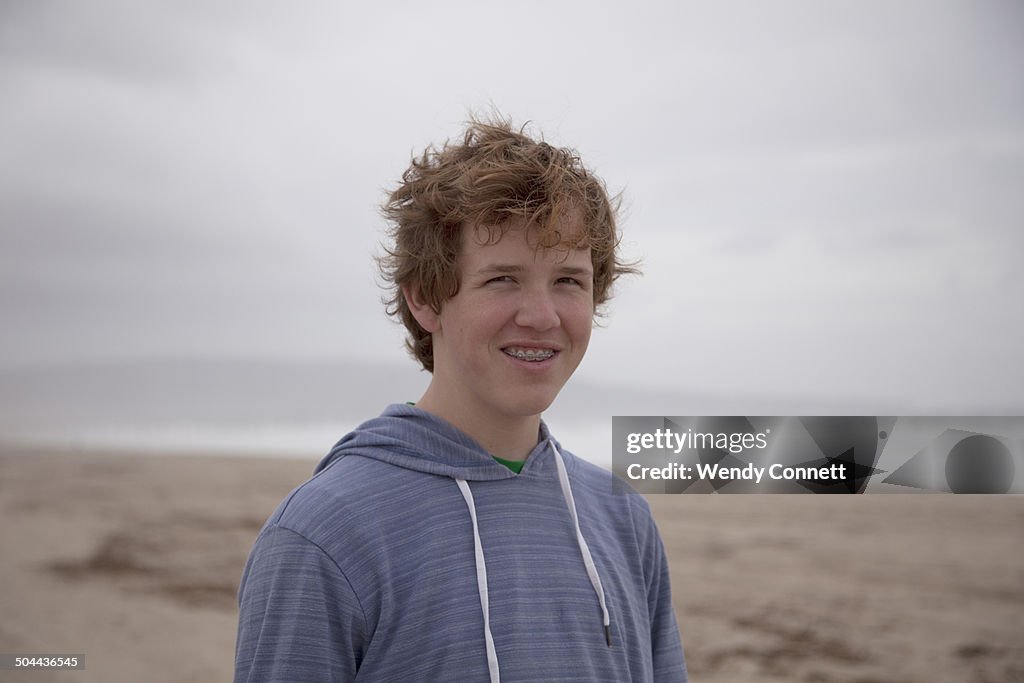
537, 310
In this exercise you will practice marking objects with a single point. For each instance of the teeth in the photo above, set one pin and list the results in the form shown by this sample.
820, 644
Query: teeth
530, 355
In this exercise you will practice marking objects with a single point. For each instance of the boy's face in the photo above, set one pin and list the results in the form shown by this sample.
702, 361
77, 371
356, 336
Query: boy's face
518, 327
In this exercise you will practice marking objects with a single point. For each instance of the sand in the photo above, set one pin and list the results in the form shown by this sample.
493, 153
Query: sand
134, 561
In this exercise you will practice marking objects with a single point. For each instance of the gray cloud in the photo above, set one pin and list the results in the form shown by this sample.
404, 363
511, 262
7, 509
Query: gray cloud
821, 191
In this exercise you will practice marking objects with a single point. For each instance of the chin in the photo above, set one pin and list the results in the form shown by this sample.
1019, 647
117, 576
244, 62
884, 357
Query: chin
533, 405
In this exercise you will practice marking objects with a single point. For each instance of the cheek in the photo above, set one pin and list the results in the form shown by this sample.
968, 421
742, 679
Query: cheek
492, 318
579, 326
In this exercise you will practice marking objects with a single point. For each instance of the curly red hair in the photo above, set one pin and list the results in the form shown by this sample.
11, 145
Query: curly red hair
495, 177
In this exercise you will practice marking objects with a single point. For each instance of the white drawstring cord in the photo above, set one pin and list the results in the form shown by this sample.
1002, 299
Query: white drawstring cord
481, 565
588, 559
481, 582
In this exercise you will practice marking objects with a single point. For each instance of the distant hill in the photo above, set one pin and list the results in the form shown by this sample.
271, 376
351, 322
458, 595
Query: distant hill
215, 391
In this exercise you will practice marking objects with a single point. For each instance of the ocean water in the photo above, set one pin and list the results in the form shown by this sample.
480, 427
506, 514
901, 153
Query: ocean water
299, 409
274, 409
590, 440
310, 441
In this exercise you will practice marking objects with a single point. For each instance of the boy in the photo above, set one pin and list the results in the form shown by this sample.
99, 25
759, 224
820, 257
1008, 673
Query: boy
454, 539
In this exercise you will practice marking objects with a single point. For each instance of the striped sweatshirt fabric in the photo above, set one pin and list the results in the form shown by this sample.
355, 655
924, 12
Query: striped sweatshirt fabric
369, 571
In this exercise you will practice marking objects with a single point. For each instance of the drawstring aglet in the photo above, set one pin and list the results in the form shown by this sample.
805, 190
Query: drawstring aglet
608, 634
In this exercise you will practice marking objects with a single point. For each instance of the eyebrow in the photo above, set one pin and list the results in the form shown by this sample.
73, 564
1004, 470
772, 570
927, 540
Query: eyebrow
575, 270
503, 269
497, 268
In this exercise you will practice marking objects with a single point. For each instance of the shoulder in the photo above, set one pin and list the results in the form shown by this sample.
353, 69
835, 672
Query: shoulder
352, 491
360, 506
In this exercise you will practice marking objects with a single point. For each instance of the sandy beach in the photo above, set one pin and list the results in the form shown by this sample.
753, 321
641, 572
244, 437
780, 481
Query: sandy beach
133, 560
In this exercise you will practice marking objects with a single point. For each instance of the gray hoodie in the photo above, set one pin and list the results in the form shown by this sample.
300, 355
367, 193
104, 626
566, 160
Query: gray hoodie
412, 555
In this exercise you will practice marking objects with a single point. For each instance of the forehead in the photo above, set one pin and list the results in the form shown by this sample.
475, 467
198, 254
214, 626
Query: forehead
558, 243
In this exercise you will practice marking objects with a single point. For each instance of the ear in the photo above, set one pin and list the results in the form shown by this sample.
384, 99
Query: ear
426, 316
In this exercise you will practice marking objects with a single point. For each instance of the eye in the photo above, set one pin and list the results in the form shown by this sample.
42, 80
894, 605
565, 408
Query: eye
569, 281
500, 278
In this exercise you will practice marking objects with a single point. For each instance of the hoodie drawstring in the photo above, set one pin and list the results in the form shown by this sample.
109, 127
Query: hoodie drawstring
588, 559
481, 566
481, 582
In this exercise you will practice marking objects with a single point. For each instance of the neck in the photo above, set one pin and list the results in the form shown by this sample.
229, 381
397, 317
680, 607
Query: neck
508, 437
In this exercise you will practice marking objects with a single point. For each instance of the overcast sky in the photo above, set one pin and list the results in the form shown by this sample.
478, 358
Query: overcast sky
827, 196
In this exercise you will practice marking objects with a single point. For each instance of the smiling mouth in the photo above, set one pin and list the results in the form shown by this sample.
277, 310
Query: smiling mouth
529, 355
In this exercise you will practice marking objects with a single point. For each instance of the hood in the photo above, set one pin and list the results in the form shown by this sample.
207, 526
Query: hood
414, 439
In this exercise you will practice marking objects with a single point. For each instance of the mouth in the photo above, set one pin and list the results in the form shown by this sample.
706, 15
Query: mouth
528, 354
